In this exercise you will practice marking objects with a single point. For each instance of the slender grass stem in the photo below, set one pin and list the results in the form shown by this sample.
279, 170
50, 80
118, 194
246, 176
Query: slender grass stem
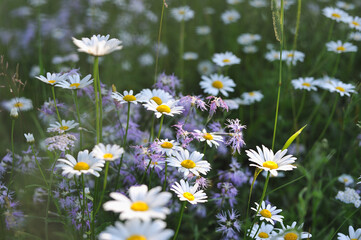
337, 63
301, 105
100, 109
160, 126
12, 149
329, 119
180, 219
56, 107
84, 201
181, 51
75, 95
159, 35
81, 205
104, 186
353, 213
165, 176
145, 172
151, 136
315, 110
95, 75
38, 164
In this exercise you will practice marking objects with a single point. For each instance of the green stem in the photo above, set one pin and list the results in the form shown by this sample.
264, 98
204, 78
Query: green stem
160, 126
180, 219
75, 94
12, 149
81, 205
146, 169
100, 110
353, 213
181, 52
165, 176
95, 75
301, 106
159, 35
84, 201
315, 110
329, 119
104, 186
37, 163
335, 68
56, 107
151, 136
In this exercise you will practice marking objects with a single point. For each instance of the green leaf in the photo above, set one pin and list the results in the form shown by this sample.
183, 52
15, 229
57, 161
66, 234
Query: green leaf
292, 138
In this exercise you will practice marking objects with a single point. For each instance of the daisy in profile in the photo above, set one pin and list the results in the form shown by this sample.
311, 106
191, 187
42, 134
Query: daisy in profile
249, 98
230, 16
344, 5
344, 89
263, 232
339, 47
167, 147
189, 163
217, 83
157, 95
188, 193
307, 83
84, 164
136, 229
20, 104
248, 38
74, 82
126, 97
52, 78
168, 108
183, 13
354, 22
29, 138
62, 127
293, 57
205, 67
355, 36
292, 232
335, 13
210, 138
98, 45
141, 204
190, 56
352, 234
268, 213
108, 152
346, 179
225, 59
269, 161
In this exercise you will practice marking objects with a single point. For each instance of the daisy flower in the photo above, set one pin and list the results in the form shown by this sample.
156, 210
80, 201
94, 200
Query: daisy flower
21, 104
355, 36
249, 98
183, 13
269, 161
273, 55
189, 163
216, 83
307, 83
188, 193
108, 152
74, 82
62, 127
352, 234
293, 57
346, 179
84, 164
263, 232
340, 87
335, 13
210, 138
190, 56
167, 147
141, 204
29, 138
248, 38
205, 67
157, 95
345, 5
292, 232
136, 229
98, 45
126, 97
230, 16
258, 3
169, 108
203, 30
354, 22
225, 59
268, 213
339, 47
52, 78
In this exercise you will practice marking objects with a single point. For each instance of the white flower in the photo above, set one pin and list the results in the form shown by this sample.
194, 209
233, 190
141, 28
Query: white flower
74, 82
190, 56
205, 67
203, 30
62, 127
14, 113
349, 196
210, 138
268, 213
217, 83
29, 138
354, 22
339, 47
292, 57
21, 104
250, 49
188, 193
189, 163
355, 36
168, 147
142, 204
234, 2
84, 164
269, 161
258, 3
307, 83
136, 229
352, 234
273, 55
340, 87
345, 5
335, 14
98, 45
248, 38
146, 59
263, 232
168, 108
249, 98
183, 13
346, 179
230, 16
108, 152
292, 232
157, 95
126, 97
52, 78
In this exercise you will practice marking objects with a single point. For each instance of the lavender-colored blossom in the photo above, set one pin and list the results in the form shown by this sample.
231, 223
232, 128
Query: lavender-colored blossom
168, 83
192, 101
215, 103
61, 142
182, 135
235, 175
14, 218
47, 111
235, 139
215, 127
228, 193
229, 225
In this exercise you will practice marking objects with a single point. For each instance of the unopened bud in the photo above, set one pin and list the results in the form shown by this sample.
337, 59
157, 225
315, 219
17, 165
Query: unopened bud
114, 88
14, 113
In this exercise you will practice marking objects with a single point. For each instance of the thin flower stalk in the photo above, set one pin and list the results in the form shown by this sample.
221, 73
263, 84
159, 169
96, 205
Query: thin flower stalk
95, 75
56, 107
159, 36
180, 219
75, 96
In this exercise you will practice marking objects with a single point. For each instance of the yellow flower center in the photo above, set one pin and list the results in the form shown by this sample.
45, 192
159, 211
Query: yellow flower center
188, 196
341, 48
251, 94
76, 85
18, 104
306, 84
81, 166
139, 206
129, 98
181, 12
157, 100
265, 213
355, 23
64, 128
263, 235
270, 165
340, 89
137, 237
345, 180
230, 18
217, 84
336, 15
166, 145
163, 108
226, 60
108, 156
51, 81
354, 239
290, 55
208, 136
291, 236
188, 164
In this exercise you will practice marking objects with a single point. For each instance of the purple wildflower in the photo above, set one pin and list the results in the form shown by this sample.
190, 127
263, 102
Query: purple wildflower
228, 192
235, 139
229, 225
168, 83
214, 103
61, 142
